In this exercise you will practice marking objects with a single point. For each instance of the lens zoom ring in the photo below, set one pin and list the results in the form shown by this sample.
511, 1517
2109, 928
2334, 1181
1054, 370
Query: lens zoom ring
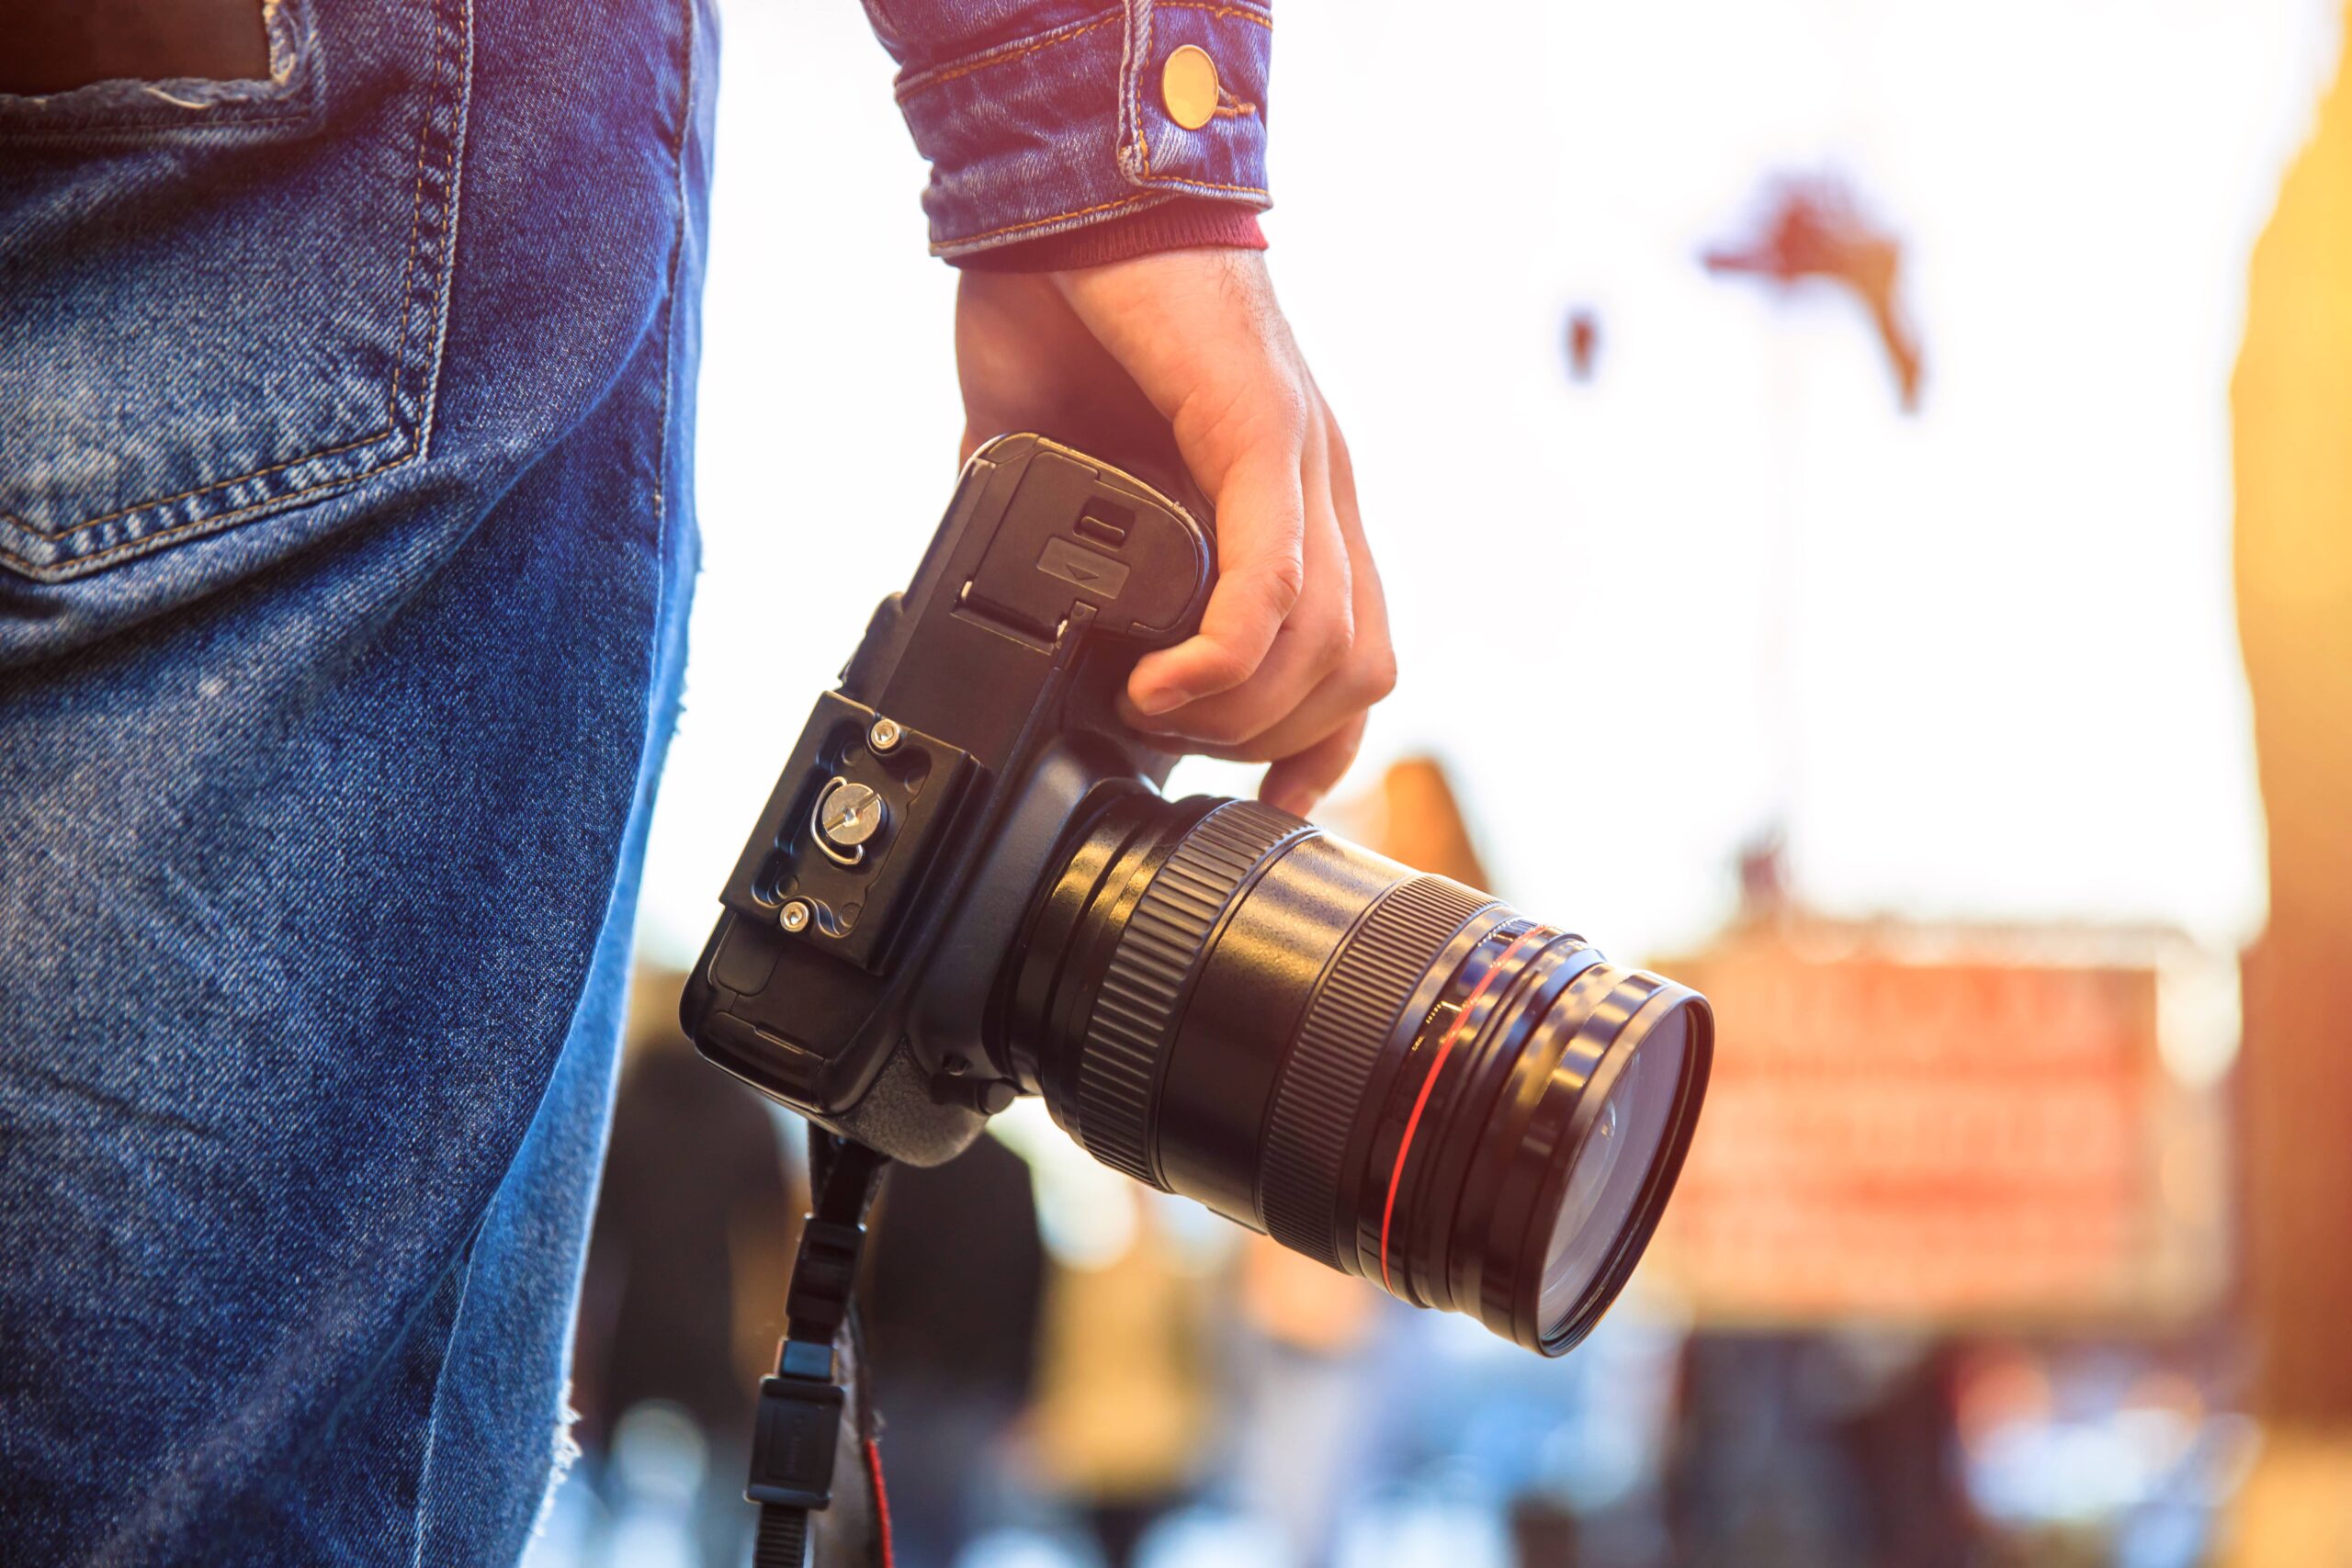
1135, 1006
1324, 1081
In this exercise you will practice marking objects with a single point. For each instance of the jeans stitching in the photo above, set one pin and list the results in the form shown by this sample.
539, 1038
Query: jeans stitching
453, 176
670, 304
453, 28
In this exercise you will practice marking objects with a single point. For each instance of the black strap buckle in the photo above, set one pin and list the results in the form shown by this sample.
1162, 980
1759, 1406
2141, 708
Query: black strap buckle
793, 1444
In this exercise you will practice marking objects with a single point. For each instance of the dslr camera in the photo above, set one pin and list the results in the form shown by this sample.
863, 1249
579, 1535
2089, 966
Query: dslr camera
967, 885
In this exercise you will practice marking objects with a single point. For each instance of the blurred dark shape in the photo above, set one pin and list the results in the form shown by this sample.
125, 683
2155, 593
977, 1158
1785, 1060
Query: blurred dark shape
1119, 1526
955, 1272
1812, 229
687, 1263
2292, 405
694, 1211
1817, 1452
1763, 876
1584, 343
1543, 1534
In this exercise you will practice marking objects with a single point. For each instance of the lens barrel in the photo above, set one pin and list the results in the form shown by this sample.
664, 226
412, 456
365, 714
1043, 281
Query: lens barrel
1396, 1075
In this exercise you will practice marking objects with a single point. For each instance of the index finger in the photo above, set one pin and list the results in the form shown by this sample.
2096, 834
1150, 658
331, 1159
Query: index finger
1261, 536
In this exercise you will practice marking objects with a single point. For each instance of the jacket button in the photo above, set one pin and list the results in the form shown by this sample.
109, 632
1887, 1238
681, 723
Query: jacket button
1188, 86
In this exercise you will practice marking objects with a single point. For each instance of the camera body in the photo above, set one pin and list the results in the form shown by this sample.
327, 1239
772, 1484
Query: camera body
857, 972
967, 886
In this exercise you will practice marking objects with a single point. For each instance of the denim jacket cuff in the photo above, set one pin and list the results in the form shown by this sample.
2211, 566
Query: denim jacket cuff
1178, 223
1069, 126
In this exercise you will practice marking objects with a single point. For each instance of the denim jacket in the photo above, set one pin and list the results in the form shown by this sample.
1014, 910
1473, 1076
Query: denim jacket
1044, 116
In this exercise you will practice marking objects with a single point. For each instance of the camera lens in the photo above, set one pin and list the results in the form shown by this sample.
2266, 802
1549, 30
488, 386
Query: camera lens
1388, 1071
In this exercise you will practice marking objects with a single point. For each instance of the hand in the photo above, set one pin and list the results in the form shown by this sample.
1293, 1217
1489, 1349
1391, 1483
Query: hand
1185, 356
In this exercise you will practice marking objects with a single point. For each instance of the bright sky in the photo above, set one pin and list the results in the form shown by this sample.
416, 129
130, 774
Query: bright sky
1981, 663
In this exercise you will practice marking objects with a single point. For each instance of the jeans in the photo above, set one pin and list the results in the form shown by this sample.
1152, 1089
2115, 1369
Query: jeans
346, 540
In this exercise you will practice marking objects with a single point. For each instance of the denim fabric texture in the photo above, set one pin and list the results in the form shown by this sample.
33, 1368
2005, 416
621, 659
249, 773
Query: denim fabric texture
346, 541
1043, 118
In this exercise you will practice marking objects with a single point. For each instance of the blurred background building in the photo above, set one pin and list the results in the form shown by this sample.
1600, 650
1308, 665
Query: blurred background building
1939, 419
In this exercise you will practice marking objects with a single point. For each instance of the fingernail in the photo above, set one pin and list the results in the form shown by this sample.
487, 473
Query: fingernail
1158, 700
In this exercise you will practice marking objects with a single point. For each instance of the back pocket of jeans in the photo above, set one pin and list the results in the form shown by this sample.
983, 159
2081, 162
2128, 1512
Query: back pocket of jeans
221, 301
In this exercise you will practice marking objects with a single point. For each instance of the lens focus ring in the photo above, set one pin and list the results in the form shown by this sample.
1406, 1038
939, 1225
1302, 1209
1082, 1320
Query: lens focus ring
1329, 1069
1141, 997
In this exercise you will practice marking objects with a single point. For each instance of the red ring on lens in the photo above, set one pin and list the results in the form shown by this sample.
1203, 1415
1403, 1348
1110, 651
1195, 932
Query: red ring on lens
1437, 1064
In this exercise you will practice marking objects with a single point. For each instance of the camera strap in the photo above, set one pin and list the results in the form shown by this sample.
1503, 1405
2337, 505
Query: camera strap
803, 1407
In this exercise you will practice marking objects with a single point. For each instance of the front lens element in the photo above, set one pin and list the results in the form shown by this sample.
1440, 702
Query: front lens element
1611, 1164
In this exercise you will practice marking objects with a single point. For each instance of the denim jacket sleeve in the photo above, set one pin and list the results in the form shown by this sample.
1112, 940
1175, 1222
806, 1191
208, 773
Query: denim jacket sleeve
1044, 116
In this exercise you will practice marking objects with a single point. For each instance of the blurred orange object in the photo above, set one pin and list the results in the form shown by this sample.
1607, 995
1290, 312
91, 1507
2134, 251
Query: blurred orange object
2291, 403
1411, 815
1297, 1302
